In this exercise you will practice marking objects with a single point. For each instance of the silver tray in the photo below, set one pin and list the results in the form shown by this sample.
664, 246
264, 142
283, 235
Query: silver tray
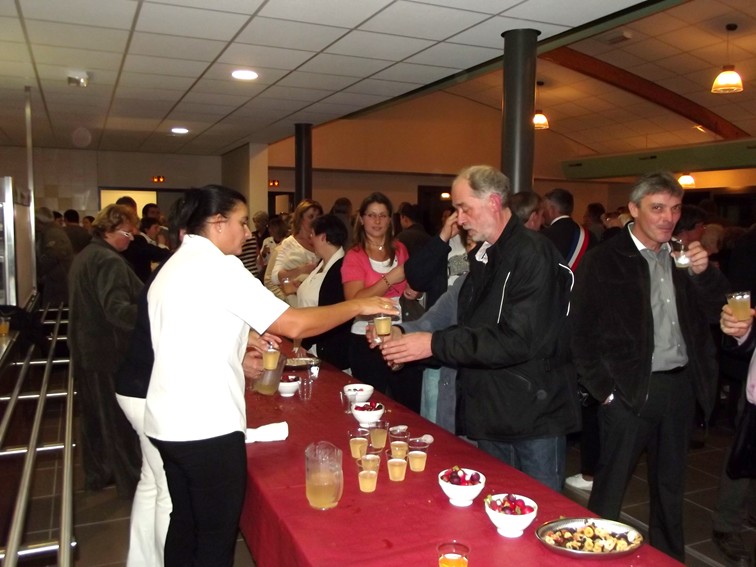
302, 362
615, 528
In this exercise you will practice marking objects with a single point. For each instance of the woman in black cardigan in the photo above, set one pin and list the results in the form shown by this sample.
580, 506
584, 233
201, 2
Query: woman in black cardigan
323, 287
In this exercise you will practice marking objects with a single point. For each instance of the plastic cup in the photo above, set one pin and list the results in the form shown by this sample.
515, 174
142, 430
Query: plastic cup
270, 358
397, 468
740, 303
371, 462
358, 442
399, 449
680, 253
368, 480
399, 433
378, 434
382, 326
453, 554
305, 388
418, 454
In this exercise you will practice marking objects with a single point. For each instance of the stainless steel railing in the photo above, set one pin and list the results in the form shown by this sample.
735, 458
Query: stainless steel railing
64, 545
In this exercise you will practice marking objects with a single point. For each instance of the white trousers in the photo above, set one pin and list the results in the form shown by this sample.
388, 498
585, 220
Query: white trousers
151, 510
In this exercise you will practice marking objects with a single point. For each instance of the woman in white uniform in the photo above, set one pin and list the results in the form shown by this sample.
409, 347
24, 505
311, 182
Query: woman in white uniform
201, 307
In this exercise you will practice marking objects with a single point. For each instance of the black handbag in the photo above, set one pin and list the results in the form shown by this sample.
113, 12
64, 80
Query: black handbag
742, 462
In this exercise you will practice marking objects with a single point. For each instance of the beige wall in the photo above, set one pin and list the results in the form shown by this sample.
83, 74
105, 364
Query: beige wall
69, 179
405, 145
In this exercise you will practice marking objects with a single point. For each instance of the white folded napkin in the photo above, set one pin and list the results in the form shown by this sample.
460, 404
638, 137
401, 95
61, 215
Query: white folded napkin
270, 432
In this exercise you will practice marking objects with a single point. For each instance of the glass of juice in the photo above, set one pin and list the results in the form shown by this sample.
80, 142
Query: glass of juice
418, 454
368, 480
382, 326
270, 358
358, 442
370, 462
453, 554
378, 434
397, 468
399, 449
740, 303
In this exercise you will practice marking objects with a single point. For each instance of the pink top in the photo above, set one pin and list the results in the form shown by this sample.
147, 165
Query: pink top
357, 266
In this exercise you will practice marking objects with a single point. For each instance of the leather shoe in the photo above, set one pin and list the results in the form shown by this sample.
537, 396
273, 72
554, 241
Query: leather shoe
732, 546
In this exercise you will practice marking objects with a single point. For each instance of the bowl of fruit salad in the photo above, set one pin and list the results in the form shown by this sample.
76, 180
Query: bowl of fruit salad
510, 513
368, 412
361, 392
460, 485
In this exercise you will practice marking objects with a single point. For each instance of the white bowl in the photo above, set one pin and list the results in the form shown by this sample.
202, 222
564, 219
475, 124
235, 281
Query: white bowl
511, 525
362, 391
458, 494
288, 389
366, 417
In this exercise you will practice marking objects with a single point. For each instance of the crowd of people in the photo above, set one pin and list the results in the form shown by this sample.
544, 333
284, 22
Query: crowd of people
514, 326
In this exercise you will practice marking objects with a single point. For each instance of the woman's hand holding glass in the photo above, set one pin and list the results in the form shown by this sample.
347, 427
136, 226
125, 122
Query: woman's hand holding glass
376, 305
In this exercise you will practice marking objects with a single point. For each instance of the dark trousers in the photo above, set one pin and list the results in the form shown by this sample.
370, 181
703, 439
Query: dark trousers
736, 498
663, 429
109, 445
590, 441
405, 385
207, 481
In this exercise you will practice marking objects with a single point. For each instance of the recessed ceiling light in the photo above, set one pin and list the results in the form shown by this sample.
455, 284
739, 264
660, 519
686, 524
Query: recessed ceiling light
180, 130
244, 75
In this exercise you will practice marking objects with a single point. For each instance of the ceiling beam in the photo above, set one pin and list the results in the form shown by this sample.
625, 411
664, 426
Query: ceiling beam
617, 77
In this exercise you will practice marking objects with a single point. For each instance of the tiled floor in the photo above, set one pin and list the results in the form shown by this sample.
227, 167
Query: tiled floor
102, 519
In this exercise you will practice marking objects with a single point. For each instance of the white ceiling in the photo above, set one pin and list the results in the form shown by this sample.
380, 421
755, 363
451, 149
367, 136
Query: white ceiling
158, 64
681, 49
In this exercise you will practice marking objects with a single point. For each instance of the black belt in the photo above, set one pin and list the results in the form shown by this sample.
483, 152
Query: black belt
673, 371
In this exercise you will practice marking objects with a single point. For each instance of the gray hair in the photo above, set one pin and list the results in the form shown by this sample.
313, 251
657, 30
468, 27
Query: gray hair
653, 183
485, 180
524, 203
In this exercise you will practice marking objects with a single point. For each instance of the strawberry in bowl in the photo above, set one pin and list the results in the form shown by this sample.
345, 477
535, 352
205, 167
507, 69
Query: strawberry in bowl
461, 485
368, 412
510, 513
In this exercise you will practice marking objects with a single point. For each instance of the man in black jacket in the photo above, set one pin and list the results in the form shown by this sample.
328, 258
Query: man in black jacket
642, 346
516, 386
571, 239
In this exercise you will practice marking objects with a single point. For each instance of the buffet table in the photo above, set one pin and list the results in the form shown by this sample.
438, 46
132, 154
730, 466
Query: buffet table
401, 523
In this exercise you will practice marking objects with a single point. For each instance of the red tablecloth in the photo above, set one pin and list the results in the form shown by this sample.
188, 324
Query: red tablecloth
401, 523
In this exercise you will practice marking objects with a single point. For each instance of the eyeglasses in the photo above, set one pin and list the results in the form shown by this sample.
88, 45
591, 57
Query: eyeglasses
126, 233
376, 216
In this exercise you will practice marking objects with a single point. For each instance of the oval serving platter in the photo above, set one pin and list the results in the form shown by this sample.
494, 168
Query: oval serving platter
609, 530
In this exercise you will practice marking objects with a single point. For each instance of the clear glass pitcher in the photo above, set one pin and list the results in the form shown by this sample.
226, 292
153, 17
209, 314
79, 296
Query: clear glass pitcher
324, 477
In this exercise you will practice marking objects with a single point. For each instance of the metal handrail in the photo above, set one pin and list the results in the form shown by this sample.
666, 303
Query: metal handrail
65, 557
14, 396
22, 499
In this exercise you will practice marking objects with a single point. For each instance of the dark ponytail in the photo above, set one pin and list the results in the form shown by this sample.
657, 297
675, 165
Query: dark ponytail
197, 205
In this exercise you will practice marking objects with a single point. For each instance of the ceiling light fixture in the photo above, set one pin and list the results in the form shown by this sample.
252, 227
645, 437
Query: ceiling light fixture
540, 122
78, 79
244, 75
728, 81
180, 130
686, 181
